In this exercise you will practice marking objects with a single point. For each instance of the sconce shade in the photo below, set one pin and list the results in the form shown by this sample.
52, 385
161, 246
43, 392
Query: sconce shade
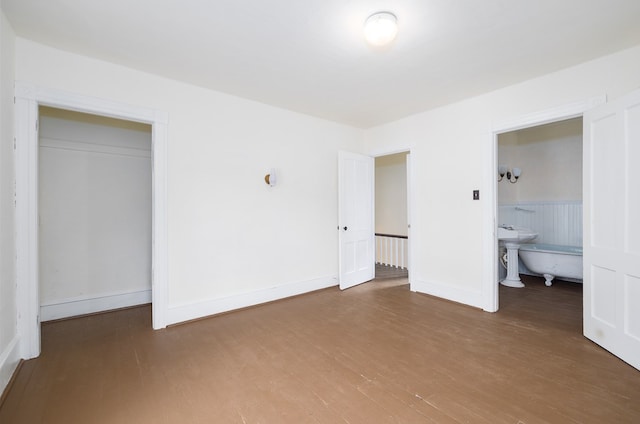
502, 169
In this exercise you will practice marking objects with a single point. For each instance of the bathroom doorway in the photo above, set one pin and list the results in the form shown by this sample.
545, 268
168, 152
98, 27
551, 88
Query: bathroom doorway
540, 188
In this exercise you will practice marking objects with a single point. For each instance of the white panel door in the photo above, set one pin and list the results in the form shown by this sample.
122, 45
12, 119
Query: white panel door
355, 219
612, 227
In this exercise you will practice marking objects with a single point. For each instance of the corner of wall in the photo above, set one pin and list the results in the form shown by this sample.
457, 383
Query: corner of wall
9, 360
9, 339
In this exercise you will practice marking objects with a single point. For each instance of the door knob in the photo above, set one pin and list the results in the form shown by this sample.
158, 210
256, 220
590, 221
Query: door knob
345, 228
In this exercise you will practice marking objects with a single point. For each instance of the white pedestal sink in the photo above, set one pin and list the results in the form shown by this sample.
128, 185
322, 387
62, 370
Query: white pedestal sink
513, 237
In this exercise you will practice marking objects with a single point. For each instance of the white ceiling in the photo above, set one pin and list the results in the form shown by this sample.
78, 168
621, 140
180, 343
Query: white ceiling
309, 55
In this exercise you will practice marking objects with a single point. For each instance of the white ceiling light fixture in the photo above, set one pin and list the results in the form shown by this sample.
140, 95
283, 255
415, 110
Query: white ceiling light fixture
381, 28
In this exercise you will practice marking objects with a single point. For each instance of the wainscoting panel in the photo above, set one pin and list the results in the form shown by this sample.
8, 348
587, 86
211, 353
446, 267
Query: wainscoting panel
555, 222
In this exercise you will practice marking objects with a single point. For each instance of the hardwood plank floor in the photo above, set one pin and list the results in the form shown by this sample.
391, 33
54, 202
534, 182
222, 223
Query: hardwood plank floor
376, 353
384, 272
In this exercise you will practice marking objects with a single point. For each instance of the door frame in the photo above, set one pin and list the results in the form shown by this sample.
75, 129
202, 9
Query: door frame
411, 215
490, 240
28, 98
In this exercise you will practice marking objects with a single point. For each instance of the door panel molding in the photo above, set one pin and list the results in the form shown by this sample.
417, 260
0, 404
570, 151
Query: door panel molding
355, 219
611, 198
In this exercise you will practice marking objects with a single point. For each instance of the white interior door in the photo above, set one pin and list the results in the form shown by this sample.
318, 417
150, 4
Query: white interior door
612, 227
355, 219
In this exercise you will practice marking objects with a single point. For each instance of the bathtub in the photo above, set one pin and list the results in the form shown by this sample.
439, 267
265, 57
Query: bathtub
552, 260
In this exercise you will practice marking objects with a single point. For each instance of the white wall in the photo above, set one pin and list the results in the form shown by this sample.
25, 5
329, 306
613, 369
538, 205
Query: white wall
95, 213
229, 234
450, 147
550, 157
391, 194
8, 314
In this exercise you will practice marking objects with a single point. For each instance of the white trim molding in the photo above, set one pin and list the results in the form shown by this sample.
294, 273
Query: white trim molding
490, 241
78, 146
448, 292
210, 307
159, 219
28, 299
91, 304
28, 98
9, 360
547, 116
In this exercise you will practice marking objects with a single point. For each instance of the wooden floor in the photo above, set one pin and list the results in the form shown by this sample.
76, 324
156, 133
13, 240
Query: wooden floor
384, 272
376, 353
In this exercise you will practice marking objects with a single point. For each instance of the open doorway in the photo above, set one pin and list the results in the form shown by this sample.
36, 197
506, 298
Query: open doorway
391, 217
356, 217
28, 98
94, 209
609, 266
539, 192
564, 112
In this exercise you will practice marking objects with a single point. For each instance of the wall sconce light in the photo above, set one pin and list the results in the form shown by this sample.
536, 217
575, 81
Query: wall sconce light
512, 174
270, 178
516, 174
501, 171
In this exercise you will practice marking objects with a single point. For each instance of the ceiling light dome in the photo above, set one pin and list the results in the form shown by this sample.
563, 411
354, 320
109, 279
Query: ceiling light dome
381, 28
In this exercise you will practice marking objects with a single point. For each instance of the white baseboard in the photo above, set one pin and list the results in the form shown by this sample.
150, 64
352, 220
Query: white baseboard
88, 305
446, 291
9, 360
177, 314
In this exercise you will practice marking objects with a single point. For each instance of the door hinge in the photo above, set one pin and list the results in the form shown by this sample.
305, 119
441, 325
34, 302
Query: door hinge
36, 125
